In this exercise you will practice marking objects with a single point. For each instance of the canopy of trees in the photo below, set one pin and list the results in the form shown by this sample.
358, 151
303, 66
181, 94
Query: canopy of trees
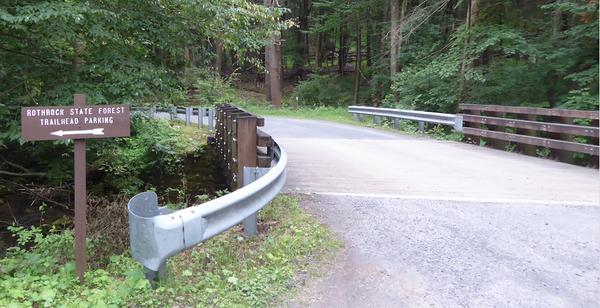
432, 55
115, 51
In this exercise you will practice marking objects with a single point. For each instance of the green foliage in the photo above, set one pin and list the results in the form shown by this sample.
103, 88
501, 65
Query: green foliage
115, 52
322, 90
226, 271
508, 60
155, 147
232, 271
213, 89
44, 276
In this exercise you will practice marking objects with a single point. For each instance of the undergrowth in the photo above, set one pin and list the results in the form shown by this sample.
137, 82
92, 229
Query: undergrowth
228, 270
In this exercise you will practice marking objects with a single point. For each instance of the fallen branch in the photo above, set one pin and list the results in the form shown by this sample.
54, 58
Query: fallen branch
23, 174
14, 165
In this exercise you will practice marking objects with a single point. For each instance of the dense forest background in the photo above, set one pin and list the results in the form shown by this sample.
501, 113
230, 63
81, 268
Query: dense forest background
432, 55
427, 55
424, 55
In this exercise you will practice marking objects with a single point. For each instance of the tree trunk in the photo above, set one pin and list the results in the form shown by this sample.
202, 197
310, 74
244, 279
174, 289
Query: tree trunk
274, 77
463, 68
186, 52
279, 50
369, 62
78, 49
394, 37
318, 52
219, 53
343, 51
357, 66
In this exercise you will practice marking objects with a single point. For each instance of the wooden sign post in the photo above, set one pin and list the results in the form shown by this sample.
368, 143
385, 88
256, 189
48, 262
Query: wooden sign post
77, 122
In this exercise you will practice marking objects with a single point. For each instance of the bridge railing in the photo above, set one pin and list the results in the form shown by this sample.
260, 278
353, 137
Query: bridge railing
544, 127
173, 112
240, 142
157, 233
397, 114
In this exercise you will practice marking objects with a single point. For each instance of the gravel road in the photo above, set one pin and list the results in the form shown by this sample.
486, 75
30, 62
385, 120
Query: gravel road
430, 223
406, 252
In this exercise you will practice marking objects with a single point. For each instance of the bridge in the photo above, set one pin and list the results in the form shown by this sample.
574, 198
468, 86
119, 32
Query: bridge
431, 223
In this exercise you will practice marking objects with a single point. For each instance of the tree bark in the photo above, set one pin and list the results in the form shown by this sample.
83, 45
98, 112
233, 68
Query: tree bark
343, 51
267, 3
219, 53
357, 65
186, 52
369, 62
78, 49
394, 37
463, 68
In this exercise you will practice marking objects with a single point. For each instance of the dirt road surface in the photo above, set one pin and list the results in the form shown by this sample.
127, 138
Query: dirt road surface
431, 223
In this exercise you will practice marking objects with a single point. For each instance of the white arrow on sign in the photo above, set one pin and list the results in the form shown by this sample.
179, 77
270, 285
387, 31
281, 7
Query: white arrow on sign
95, 131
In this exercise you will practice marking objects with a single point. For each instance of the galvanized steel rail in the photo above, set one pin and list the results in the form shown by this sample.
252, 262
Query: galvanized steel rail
157, 233
453, 120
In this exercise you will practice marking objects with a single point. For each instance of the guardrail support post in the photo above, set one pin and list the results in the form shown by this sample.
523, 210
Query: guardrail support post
246, 146
188, 115
361, 118
152, 112
173, 113
476, 140
211, 119
563, 156
527, 149
251, 175
375, 120
421, 126
200, 117
497, 144
396, 123
354, 117
151, 275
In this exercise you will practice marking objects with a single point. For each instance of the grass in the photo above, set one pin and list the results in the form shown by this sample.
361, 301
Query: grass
233, 271
229, 270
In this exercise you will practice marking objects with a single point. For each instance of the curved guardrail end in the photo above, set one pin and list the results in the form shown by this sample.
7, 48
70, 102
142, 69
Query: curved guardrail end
155, 235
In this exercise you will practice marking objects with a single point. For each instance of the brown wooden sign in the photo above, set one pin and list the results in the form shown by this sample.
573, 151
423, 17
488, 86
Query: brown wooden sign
77, 122
74, 122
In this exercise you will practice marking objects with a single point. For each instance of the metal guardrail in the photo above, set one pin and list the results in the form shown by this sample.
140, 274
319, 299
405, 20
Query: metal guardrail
453, 120
157, 233
188, 111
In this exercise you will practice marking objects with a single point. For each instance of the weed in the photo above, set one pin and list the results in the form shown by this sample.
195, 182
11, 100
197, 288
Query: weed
228, 270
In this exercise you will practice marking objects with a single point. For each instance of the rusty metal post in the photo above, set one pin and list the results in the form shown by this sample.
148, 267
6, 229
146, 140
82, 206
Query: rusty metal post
80, 196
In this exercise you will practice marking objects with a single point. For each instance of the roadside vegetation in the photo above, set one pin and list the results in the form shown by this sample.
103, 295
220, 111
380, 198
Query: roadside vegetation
228, 270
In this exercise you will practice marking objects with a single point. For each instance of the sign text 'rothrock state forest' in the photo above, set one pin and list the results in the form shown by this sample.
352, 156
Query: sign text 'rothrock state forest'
73, 122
